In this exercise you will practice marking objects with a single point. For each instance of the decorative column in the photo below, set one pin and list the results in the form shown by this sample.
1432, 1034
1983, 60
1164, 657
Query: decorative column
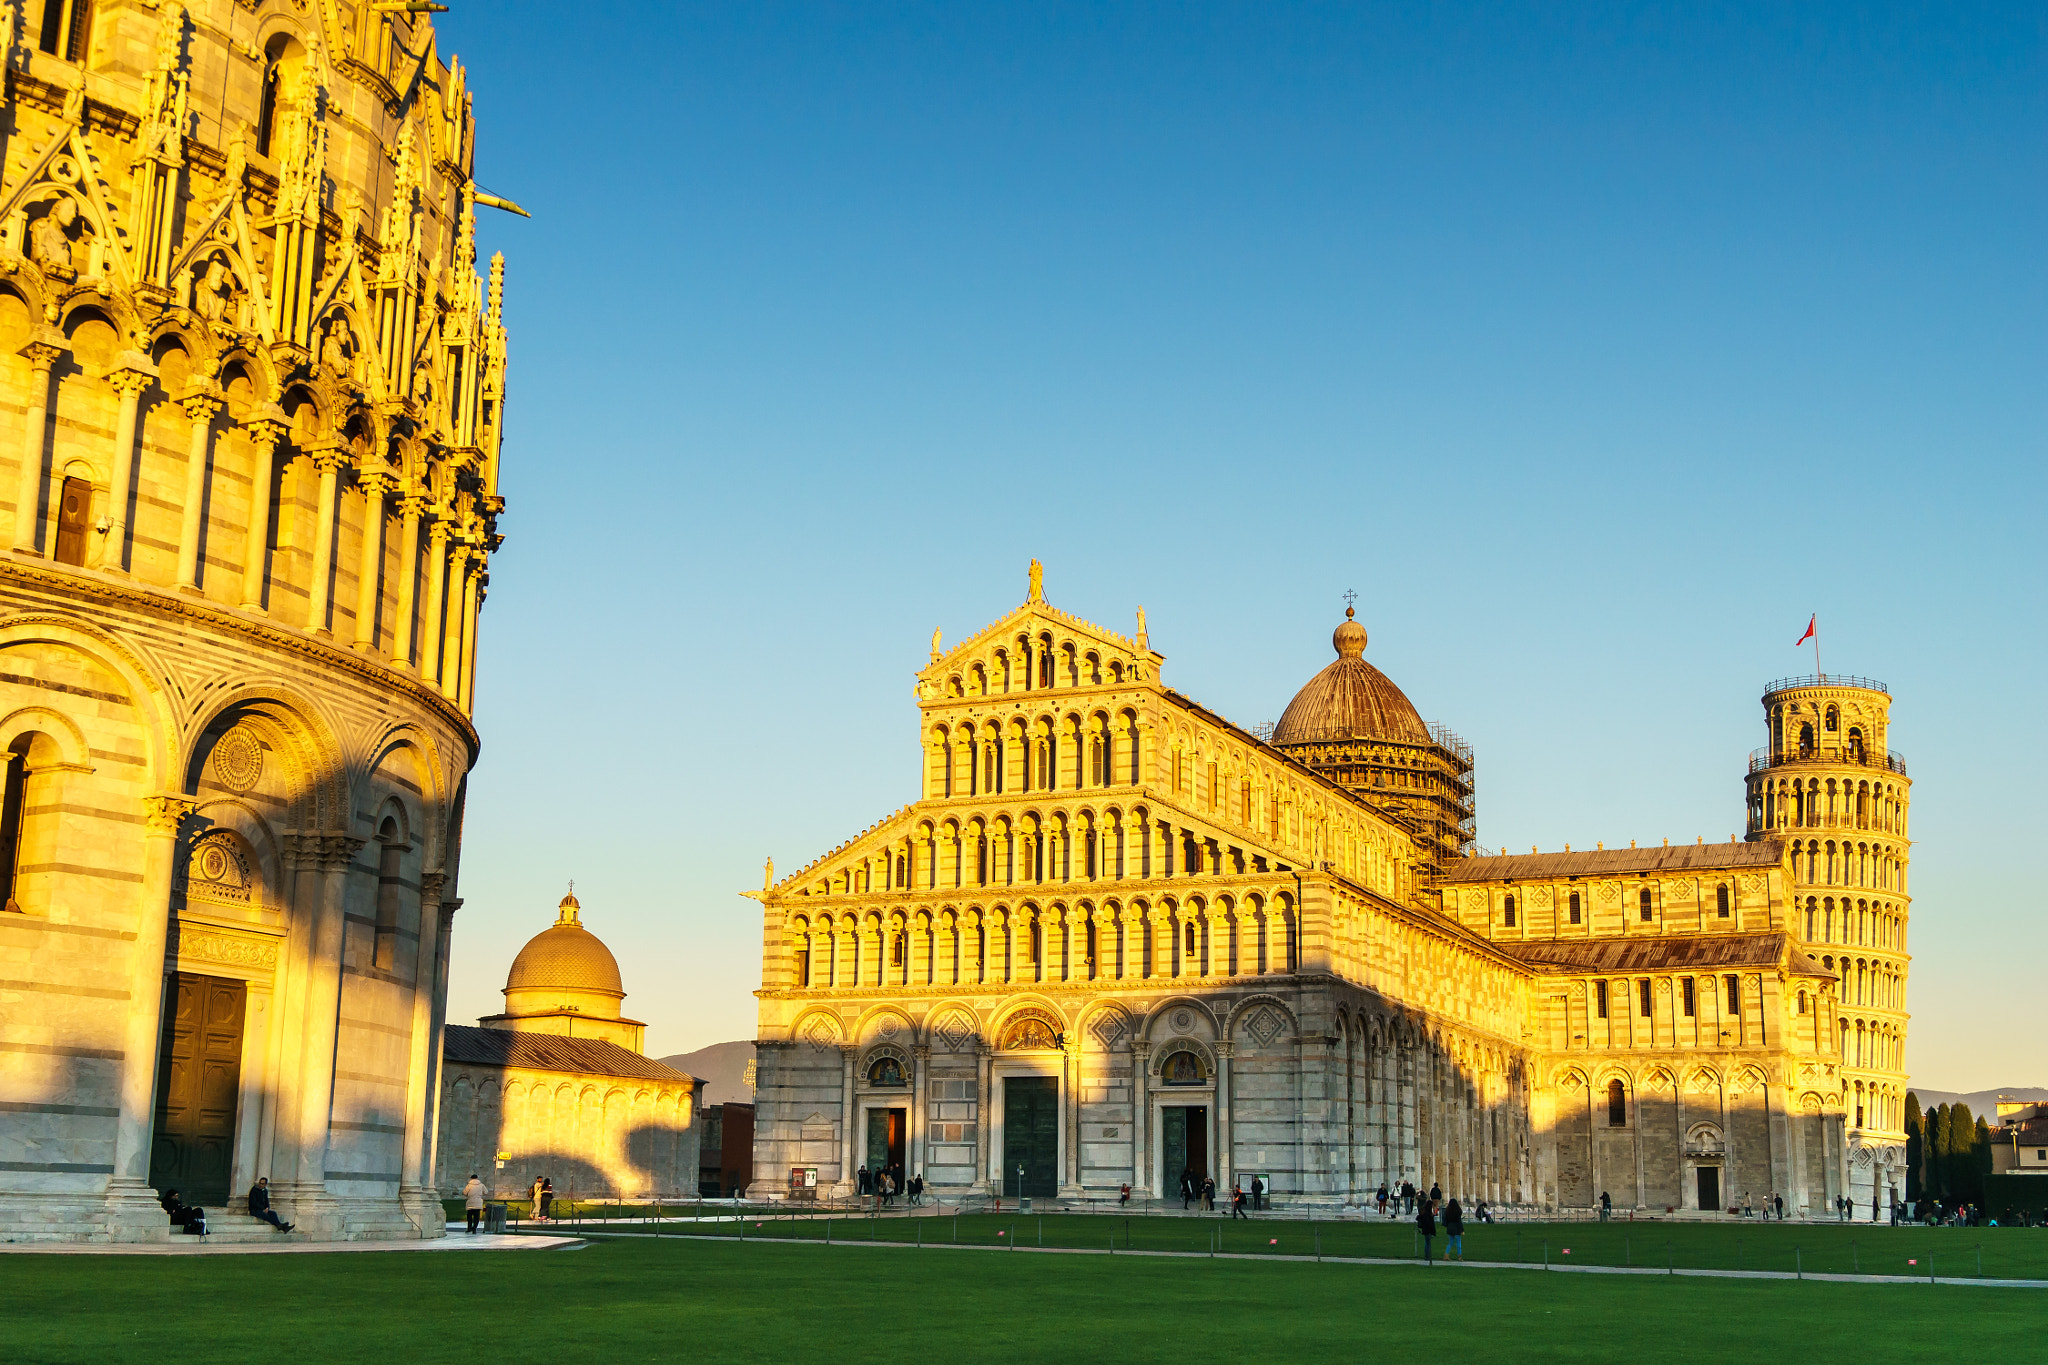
984, 1126
133, 376
449, 905
329, 463
28, 492
264, 434
1141, 1107
200, 407
416, 1176
370, 564
333, 855
132, 1206
847, 1164
920, 1105
1225, 1163
410, 508
437, 583
455, 608
1071, 1083
472, 612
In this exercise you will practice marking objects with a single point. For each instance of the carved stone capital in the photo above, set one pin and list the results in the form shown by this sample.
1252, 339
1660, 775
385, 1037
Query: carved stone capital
377, 484
201, 407
132, 374
164, 815
448, 909
41, 354
329, 459
1141, 1048
430, 886
921, 1051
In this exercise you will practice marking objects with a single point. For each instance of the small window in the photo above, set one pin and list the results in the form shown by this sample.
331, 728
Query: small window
896, 948
1617, 1105
1643, 904
1802, 1002
1643, 997
1721, 900
1689, 1005
1600, 998
74, 521
886, 1071
1575, 907
1734, 996
1182, 1068
67, 28
1509, 918
1834, 720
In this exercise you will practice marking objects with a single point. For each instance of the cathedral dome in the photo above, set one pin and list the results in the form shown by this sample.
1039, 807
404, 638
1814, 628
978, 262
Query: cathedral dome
566, 956
1350, 700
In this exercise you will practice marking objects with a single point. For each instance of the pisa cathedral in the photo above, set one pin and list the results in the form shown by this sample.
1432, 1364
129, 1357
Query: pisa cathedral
251, 389
1116, 937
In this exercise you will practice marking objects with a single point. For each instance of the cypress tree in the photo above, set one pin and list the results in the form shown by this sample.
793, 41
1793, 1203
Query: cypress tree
1937, 1152
1916, 1147
1980, 1162
1962, 1134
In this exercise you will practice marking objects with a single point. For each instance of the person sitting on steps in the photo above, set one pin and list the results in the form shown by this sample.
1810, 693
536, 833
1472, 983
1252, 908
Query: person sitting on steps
182, 1215
259, 1205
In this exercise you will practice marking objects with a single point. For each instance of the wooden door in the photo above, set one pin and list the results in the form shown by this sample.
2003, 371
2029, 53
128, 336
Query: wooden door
74, 521
1710, 1188
199, 1078
1031, 1136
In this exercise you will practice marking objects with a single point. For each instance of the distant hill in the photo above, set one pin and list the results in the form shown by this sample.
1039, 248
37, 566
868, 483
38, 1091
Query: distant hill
723, 1068
1983, 1103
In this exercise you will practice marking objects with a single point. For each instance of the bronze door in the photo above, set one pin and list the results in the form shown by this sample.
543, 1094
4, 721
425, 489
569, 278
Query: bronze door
199, 1077
74, 521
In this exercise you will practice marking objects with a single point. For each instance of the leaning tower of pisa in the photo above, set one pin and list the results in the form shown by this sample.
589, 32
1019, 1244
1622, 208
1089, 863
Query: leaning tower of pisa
251, 389
1830, 789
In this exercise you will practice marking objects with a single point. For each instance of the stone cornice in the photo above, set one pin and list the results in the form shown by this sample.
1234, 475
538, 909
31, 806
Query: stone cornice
177, 610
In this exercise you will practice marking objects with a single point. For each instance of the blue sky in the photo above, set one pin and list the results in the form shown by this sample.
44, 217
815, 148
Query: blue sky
1594, 350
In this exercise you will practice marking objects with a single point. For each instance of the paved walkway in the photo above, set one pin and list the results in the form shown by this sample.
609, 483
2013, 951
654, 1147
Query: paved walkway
203, 1246
1449, 1267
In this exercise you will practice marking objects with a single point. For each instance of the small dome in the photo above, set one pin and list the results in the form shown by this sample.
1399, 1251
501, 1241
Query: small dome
1350, 700
566, 956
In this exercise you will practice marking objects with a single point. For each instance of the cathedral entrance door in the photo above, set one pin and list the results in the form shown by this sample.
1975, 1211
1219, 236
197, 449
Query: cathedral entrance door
198, 1079
886, 1131
1185, 1145
1031, 1136
1710, 1187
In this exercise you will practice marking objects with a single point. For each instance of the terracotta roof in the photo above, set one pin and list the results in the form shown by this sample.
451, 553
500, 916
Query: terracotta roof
1683, 953
1616, 862
548, 1052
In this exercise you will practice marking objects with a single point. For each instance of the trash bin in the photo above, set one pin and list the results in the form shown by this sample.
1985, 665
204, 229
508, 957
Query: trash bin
1023, 1206
494, 1218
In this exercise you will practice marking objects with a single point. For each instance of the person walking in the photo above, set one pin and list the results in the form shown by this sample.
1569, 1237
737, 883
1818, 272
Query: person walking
1187, 1187
1381, 1198
1779, 1200
1209, 1193
259, 1205
1436, 1194
1606, 1206
1425, 1223
547, 1199
1407, 1198
473, 1200
537, 1211
1454, 1230
1237, 1202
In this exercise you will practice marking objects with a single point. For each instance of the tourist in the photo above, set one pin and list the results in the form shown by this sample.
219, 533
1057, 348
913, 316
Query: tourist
1425, 1223
1380, 1198
1124, 1195
1236, 1202
1606, 1206
1454, 1230
1748, 1205
182, 1215
1259, 1192
537, 1211
1407, 1197
1187, 1187
1209, 1193
863, 1183
547, 1199
259, 1205
473, 1200
1779, 1200
1436, 1194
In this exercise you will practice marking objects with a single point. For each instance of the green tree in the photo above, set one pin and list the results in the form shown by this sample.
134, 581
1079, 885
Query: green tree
1980, 1161
1937, 1153
1962, 1132
1916, 1148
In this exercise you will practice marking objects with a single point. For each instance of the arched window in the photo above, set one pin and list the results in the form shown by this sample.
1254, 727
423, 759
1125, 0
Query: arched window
1617, 1105
1855, 744
1721, 900
74, 520
1802, 1002
1834, 720
1806, 739
1030, 1033
390, 849
1600, 999
1643, 905
67, 28
1508, 911
1575, 907
266, 113
1191, 943
1095, 767
1691, 1004
897, 941
1643, 996
1182, 1068
886, 1071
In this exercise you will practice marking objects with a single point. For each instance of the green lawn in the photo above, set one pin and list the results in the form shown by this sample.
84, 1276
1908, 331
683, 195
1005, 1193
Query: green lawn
2006, 1253
644, 1300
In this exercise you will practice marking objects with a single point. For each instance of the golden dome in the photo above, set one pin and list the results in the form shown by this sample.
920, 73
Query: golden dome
1350, 700
566, 956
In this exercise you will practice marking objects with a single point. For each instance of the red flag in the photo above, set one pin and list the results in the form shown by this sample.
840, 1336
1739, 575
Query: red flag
1811, 622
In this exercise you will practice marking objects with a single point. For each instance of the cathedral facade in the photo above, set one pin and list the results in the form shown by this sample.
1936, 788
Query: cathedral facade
1116, 938
251, 386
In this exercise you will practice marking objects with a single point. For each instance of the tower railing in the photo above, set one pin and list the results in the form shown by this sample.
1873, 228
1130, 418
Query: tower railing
1826, 680
1891, 760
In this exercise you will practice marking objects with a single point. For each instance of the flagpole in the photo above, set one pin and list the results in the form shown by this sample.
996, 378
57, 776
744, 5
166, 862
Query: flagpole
1816, 653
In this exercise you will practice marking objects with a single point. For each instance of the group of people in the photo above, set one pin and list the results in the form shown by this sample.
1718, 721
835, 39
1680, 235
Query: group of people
542, 1194
1454, 1225
1402, 1200
887, 1183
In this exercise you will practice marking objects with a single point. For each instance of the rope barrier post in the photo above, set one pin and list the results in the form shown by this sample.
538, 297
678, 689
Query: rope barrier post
1546, 1253
1670, 1260
1798, 1265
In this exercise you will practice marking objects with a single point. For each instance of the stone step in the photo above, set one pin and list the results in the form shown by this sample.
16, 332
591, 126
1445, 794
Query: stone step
223, 1228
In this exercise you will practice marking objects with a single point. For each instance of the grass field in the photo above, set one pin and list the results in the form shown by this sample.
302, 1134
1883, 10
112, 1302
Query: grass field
1816, 1248
643, 1300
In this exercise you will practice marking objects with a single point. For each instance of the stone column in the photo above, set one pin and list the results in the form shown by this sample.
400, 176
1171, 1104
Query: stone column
455, 606
1141, 1113
422, 1100
847, 1163
1071, 1083
984, 1127
133, 1214
1225, 1164
472, 614
129, 380
28, 492
200, 407
335, 853
264, 435
437, 583
408, 576
329, 463
370, 562
920, 1106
